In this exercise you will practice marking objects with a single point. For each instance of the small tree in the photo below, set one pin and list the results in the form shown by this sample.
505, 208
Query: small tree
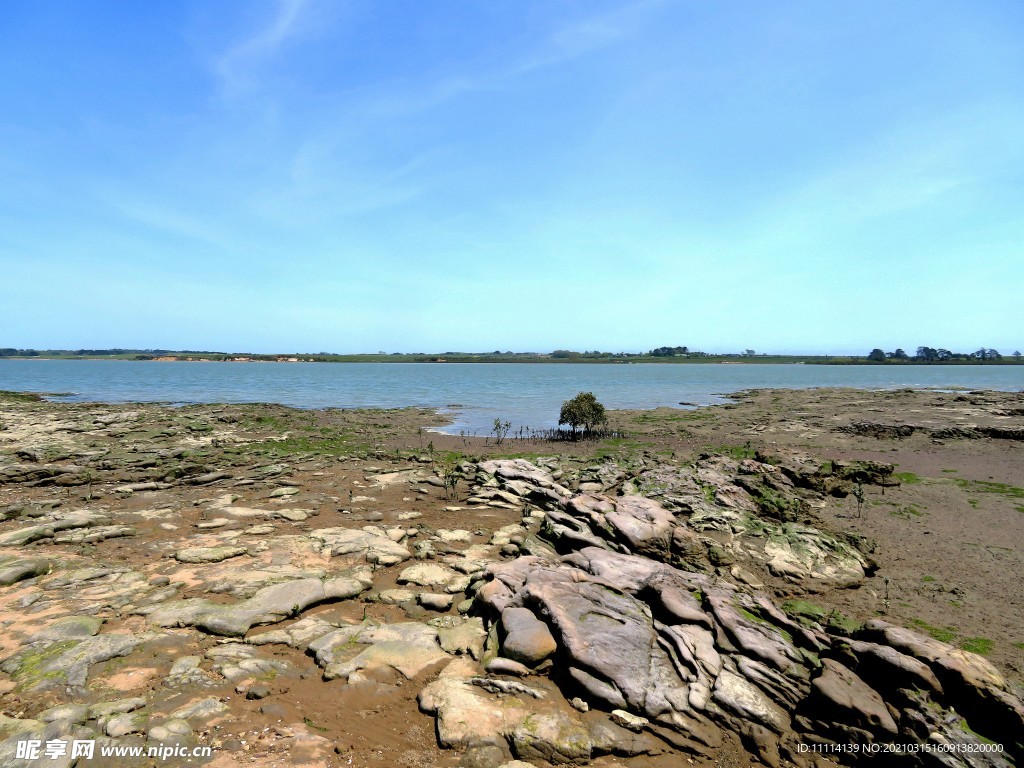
582, 411
877, 356
500, 429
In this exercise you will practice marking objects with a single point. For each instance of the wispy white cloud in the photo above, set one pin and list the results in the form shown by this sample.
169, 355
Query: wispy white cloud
171, 220
560, 44
584, 36
912, 178
239, 66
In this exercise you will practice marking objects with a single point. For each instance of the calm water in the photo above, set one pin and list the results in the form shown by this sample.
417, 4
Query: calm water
476, 394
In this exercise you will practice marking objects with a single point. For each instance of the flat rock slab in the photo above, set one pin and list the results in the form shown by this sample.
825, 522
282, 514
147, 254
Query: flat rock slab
68, 628
208, 554
47, 530
430, 575
466, 637
408, 647
62, 664
407, 658
201, 710
269, 605
292, 515
375, 548
244, 511
297, 635
454, 536
384, 479
14, 571
396, 596
552, 736
209, 525
466, 715
434, 601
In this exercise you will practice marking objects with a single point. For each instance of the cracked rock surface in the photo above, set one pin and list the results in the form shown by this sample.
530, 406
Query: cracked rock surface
202, 576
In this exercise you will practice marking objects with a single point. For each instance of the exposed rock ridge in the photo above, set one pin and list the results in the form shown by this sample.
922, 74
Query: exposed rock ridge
704, 660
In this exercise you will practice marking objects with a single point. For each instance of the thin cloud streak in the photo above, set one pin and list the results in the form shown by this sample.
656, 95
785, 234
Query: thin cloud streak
238, 68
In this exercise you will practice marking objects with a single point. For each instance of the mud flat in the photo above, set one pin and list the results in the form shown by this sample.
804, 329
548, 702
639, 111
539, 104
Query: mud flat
797, 578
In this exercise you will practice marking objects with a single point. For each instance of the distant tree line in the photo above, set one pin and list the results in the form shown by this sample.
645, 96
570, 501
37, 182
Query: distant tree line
923, 355
932, 355
113, 352
12, 352
566, 354
669, 352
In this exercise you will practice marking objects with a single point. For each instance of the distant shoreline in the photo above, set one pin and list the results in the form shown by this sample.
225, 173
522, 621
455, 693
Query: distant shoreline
539, 359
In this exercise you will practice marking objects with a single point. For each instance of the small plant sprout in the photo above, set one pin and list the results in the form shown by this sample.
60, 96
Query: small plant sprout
449, 471
858, 494
90, 477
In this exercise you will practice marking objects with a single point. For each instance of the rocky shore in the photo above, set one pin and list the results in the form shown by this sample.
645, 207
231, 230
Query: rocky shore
757, 581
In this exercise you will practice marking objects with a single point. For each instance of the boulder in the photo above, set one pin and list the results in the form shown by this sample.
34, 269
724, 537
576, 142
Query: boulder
466, 637
838, 694
375, 548
610, 642
433, 575
745, 699
466, 715
555, 737
434, 601
527, 639
888, 670
13, 571
409, 659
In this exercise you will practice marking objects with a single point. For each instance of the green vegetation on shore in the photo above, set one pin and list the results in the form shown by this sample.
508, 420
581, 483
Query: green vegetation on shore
988, 486
20, 397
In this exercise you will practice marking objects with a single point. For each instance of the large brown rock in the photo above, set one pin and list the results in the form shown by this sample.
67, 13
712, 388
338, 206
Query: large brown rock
554, 737
838, 694
527, 638
952, 665
757, 638
889, 670
637, 524
611, 644
971, 684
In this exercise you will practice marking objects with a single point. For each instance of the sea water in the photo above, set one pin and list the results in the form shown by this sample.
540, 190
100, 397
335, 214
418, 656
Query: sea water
474, 394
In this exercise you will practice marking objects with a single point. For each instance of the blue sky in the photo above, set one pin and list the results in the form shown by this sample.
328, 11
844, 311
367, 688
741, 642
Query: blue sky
429, 176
